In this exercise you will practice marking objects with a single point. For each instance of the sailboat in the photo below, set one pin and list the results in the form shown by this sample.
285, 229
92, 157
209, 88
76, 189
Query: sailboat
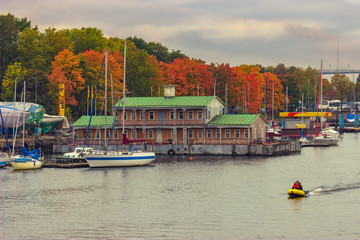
30, 159
119, 158
4, 157
326, 136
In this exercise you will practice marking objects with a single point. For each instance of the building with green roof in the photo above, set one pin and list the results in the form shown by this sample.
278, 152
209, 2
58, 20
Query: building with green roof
176, 123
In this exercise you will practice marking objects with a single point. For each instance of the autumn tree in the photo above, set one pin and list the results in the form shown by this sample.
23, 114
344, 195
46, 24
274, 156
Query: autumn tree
66, 70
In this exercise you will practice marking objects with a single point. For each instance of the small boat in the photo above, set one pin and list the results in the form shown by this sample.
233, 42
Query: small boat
294, 193
78, 155
4, 158
28, 161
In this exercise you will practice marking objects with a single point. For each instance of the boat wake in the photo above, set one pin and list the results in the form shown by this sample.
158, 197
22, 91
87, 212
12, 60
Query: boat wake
331, 189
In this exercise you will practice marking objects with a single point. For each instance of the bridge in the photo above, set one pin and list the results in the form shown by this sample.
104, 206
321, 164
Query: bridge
340, 71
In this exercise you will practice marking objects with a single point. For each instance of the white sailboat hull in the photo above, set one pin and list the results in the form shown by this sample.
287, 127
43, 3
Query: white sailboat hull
120, 159
27, 165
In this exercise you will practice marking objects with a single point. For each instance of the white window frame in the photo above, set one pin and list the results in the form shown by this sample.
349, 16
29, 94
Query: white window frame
107, 134
172, 115
200, 115
97, 134
150, 134
191, 134
246, 133
142, 115
133, 133
227, 133
133, 115
217, 133
209, 133
190, 115
237, 133
151, 115
181, 115
200, 134
116, 134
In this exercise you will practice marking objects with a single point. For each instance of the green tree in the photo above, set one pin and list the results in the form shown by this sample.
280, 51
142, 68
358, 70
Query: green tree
30, 50
13, 72
10, 26
53, 41
86, 39
343, 87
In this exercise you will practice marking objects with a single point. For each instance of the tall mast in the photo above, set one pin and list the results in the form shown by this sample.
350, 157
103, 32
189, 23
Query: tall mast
105, 97
321, 95
24, 115
123, 112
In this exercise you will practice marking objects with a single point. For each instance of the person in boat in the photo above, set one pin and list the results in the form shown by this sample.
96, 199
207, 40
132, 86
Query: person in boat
297, 185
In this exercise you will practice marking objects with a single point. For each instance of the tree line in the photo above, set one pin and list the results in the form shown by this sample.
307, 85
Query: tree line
74, 57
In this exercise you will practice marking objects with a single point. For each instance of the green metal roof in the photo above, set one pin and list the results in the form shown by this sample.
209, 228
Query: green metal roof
96, 121
234, 119
181, 101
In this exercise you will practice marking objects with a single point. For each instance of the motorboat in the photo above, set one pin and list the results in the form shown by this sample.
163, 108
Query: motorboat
327, 136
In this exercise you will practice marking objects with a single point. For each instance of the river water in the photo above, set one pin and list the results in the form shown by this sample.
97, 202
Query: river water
179, 198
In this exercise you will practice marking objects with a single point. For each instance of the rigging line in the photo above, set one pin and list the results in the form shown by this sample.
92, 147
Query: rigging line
115, 118
92, 109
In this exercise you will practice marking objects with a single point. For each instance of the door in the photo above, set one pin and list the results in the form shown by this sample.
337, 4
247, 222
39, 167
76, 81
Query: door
162, 117
159, 135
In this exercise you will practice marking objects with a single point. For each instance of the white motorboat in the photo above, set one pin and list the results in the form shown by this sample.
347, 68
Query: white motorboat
328, 136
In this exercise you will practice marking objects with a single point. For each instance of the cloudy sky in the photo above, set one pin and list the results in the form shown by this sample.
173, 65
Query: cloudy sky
268, 32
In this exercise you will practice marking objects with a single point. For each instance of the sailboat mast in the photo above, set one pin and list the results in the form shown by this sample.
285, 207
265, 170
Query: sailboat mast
105, 98
321, 95
24, 115
123, 112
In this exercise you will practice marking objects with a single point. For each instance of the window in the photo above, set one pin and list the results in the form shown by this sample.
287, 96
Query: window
190, 115
200, 134
237, 133
151, 115
172, 134
246, 133
133, 134
172, 115
191, 134
107, 134
142, 115
150, 134
217, 133
181, 115
133, 115
200, 115
125, 117
227, 133
209, 133
97, 133
116, 134
126, 132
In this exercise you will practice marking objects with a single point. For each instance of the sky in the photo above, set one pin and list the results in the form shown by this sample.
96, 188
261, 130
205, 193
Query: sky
267, 32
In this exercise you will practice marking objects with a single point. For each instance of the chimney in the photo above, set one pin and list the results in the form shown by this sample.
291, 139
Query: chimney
169, 91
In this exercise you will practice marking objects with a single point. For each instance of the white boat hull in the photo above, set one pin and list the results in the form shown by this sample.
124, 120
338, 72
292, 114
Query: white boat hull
27, 165
120, 159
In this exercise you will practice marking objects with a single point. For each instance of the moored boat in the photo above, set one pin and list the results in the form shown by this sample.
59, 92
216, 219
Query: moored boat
328, 136
26, 163
4, 158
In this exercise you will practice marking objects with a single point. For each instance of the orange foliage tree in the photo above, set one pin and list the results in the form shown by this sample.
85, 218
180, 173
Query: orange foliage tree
65, 70
191, 76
